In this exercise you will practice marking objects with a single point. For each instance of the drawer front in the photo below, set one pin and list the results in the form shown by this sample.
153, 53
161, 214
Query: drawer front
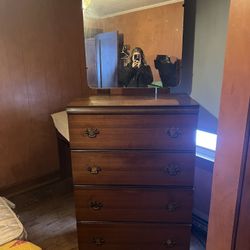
134, 204
132, 131
133, 236
133, 168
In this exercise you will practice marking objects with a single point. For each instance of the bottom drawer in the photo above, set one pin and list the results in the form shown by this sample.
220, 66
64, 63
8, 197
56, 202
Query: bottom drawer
133, 236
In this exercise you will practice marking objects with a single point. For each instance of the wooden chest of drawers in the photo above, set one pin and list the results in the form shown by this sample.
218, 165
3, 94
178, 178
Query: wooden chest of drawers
133, 170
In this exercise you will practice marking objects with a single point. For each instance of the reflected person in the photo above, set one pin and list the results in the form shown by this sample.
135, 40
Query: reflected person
136, 73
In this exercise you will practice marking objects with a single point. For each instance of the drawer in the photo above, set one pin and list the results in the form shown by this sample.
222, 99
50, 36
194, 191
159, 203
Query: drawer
133, 204
130, 236
133, 131
133, 167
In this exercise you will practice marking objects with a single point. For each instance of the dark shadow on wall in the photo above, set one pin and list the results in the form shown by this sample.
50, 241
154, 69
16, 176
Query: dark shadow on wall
206, 121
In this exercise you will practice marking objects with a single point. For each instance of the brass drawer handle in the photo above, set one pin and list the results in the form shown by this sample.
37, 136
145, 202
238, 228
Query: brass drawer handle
174, 132
96, 205
91, 132
94, 170
98, 241
173, 169
172, 207
169, 243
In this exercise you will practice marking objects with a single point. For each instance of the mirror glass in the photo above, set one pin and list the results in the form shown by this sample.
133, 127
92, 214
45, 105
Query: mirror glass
133, 43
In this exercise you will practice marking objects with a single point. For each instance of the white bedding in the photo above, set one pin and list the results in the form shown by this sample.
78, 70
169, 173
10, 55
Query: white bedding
10, 226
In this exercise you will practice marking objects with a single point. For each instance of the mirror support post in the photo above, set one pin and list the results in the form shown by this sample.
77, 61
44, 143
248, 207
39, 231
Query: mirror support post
156, 93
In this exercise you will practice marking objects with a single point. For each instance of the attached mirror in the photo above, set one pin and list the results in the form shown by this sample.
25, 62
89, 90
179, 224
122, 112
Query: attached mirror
133, 43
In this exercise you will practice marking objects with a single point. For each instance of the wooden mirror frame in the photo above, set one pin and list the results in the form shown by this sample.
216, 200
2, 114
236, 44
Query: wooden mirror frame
185, 85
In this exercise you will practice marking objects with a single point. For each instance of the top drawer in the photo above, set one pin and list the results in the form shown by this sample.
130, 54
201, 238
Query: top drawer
133, 131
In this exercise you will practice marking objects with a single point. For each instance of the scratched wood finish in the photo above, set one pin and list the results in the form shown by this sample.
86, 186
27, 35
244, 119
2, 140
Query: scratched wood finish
41, 62
134, 204
132, 236
133, 131
133, 167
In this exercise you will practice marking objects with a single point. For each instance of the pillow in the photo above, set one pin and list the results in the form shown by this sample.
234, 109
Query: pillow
10, 226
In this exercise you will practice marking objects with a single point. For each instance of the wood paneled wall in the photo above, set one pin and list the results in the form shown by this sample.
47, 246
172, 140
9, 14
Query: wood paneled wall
158, 31
41, 58
232, 127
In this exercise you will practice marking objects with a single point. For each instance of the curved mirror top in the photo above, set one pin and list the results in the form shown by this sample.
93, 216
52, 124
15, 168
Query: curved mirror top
133, 43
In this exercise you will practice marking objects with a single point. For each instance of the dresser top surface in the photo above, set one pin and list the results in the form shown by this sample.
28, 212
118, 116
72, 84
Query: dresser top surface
133, 101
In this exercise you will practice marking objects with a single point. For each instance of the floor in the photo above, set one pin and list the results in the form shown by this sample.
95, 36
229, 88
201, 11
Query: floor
48, 216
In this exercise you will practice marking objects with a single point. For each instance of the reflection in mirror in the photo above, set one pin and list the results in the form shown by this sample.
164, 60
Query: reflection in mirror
133, 43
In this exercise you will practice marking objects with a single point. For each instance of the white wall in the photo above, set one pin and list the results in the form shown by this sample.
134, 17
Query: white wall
209, 51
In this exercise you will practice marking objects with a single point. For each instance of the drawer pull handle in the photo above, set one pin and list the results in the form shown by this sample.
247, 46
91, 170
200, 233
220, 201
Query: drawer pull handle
169, 243
91, 132
98, 241
96, 205
172, 207
173, 169
174, 132
94, 170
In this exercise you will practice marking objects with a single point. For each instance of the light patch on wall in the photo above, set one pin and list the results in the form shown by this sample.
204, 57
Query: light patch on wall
206, 140
85, 4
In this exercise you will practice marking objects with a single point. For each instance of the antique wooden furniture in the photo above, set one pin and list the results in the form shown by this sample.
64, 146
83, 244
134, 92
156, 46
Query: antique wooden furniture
133, 169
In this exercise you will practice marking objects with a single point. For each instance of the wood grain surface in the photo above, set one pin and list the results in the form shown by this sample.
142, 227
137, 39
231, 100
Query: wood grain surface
133, 236
41, 70
231, 129
133, 168
134, 204
172, 132
141, 199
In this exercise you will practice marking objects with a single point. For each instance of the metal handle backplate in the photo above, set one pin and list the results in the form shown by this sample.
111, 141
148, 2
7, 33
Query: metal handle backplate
94, 170
98, 241
169, 243
96, 205
91, 132
174, 132
173, 169
172, 207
